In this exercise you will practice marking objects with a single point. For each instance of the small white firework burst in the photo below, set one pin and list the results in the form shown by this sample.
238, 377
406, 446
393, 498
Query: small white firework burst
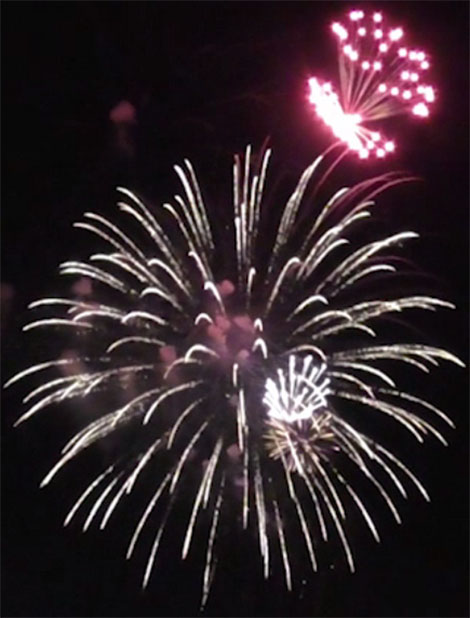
380, 76
297, 393
248, 364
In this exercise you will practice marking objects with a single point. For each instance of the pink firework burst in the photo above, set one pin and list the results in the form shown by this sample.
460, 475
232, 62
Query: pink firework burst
380, 76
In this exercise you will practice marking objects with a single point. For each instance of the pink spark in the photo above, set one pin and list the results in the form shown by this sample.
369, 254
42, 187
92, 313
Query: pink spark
355, 15
421, 109
396, 34
340, 31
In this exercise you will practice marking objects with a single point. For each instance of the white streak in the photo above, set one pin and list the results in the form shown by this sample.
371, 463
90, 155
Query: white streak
145, 515
166, 394
282, 542
98, 503
85, 494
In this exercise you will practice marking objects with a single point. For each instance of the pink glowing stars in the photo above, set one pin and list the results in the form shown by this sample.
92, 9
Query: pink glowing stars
380, 76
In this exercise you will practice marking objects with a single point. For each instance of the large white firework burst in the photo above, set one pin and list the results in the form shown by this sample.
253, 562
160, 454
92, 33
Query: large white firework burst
234, 361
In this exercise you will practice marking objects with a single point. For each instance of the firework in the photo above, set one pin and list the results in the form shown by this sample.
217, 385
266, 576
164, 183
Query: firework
245, 365
380, 76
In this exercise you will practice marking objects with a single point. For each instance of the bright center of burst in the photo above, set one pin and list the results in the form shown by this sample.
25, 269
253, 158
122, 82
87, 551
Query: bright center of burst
328, 107
297, 393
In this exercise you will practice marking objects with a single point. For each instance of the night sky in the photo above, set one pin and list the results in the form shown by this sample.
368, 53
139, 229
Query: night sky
205, 79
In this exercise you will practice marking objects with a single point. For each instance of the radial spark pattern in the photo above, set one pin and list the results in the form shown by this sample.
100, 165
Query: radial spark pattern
380, 76
238, 379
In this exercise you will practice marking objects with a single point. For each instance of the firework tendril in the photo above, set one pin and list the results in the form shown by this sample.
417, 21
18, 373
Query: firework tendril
235, 362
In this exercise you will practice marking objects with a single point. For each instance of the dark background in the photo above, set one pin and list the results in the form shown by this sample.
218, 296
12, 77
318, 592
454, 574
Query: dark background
205, 79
